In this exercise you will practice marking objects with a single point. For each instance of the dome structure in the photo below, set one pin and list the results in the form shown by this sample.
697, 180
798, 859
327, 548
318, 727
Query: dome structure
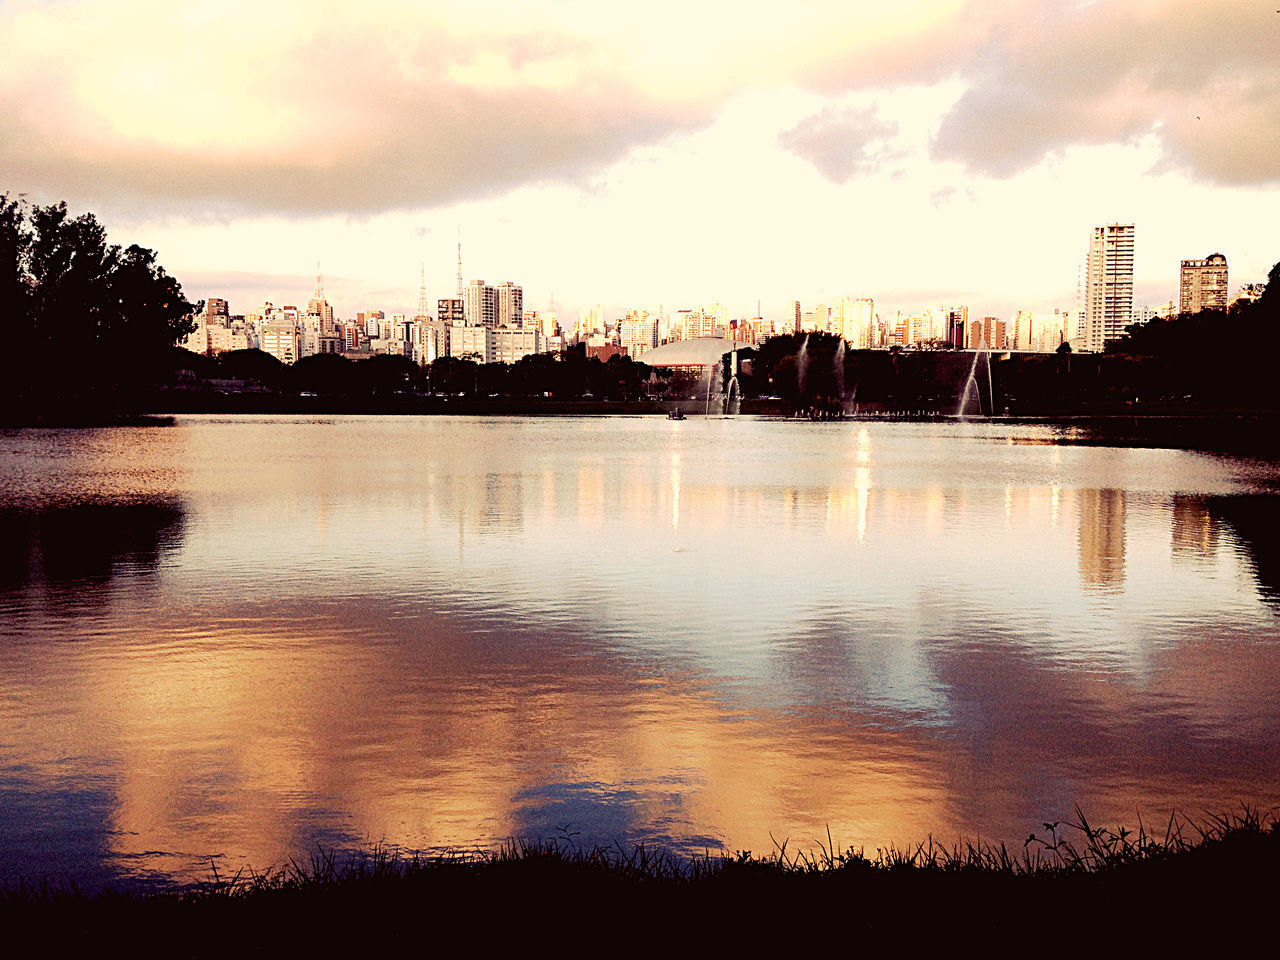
699, 352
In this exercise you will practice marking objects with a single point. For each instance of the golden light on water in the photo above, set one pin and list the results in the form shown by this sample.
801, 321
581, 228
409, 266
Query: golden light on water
867, 629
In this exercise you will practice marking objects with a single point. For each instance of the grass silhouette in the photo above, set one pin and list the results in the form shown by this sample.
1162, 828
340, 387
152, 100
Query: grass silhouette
1212, 881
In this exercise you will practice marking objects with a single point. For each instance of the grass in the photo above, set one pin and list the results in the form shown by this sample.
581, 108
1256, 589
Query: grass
1211, 881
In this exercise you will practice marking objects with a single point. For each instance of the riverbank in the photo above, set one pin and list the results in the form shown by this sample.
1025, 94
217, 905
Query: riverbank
1096, 888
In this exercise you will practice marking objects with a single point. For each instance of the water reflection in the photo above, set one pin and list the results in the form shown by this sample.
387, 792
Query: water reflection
1195, 534
446, 632
1102, 536
1254, 519
61, 553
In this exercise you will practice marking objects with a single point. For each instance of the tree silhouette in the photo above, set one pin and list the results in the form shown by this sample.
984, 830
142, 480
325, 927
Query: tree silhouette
91, 321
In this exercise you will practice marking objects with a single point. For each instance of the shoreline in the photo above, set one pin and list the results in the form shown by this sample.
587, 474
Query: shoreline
1241, 432
1116, 882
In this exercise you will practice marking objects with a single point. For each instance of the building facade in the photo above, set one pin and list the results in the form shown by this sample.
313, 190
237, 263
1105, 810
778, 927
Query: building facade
281, 338
637, 333
1202, 284
451, 311
510, 305
481, 305
1108, 304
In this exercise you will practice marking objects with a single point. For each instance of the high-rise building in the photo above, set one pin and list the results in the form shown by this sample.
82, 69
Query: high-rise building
591, 320
281, 337
510, 305
816, 320
544, 321
481, 305
1203, 284
993, 334
451, 311
1108, 303
637, 333
854, 320
435, 340
319, 308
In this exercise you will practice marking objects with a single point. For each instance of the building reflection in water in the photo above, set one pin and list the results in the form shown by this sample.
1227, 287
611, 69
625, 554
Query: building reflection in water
1102, 538
873, 628
1194, 532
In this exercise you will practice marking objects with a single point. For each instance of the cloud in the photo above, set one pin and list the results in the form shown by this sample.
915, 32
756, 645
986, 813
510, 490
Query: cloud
942, 195
1202, 78
842, 143
330, 107
310, 115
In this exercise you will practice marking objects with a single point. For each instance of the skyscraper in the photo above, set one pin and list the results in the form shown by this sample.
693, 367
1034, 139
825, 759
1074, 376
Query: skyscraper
319, 307
510, 305
481, 305
1108, 302
1203, 284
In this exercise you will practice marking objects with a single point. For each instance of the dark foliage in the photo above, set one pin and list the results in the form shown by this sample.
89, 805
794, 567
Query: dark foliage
1218, 358
88, 322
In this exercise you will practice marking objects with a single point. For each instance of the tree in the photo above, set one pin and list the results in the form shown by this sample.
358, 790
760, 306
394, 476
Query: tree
92, 321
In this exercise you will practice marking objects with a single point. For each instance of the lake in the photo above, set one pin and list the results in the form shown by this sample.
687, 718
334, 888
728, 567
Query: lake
233, 641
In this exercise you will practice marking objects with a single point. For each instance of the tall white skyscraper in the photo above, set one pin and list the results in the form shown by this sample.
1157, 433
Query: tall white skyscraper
481, 305
1108, 301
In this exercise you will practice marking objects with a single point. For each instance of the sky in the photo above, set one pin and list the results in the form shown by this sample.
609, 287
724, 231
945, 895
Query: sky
658, 155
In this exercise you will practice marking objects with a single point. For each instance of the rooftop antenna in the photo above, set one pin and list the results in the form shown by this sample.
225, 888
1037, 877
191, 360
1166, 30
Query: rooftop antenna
319, 283
459, 262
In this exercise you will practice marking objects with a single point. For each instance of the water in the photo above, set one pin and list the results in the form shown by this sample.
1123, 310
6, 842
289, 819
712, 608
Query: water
231, 641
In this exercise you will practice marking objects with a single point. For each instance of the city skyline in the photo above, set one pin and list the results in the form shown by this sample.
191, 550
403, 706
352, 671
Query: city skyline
945, 152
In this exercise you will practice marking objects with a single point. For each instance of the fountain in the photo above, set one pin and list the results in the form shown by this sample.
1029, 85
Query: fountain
971, 387
732, 397
802, 366
838, 364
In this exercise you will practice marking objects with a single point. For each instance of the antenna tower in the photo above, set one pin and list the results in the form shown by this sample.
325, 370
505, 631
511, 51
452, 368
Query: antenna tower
459, 263
422, 292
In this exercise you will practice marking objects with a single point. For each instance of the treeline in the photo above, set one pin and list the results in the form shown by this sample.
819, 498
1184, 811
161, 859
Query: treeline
1207, 362
87, 323
1214, 358
568, 376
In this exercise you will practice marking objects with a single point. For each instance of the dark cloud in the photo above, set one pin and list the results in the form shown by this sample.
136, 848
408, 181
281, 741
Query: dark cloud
842, 143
